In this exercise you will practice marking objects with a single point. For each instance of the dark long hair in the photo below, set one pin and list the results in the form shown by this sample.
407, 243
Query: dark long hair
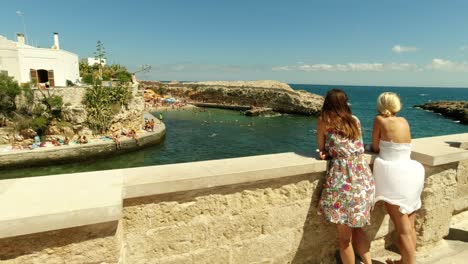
336, 114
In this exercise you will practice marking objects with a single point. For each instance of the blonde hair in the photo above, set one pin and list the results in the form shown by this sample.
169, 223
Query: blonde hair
388, 104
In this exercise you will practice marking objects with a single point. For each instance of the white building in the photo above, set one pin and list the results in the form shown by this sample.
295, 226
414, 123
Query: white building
30, 64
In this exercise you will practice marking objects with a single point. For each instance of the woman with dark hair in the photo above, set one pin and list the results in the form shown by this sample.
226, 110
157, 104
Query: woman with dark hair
348, 192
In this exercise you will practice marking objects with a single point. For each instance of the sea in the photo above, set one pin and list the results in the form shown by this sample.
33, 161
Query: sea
207, 134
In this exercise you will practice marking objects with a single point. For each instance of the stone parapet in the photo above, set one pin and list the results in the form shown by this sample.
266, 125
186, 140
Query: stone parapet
259, 209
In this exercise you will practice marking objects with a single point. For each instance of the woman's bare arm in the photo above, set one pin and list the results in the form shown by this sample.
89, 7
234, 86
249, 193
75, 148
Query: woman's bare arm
321, 139
376, 132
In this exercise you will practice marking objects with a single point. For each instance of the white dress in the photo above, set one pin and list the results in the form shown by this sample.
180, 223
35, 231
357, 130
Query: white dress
398, 179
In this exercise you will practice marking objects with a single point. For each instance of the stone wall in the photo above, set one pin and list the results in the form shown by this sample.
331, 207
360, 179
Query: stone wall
99, 243
439, 194
259, 209
265, 221
461, 202
72, 95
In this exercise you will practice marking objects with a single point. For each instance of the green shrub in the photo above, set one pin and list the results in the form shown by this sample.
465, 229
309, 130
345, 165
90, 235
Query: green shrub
102, 103
62, 124
21, 122
28, 93
39, 124
124, 76
9, 89
87, 78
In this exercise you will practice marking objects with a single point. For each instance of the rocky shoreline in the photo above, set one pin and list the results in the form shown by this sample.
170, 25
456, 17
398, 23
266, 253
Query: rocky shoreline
457, 110
278, 96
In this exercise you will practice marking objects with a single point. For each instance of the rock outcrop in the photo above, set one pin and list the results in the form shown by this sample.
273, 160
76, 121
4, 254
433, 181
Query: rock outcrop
457, 110
271, 94
258, 84
130, 117
260, 111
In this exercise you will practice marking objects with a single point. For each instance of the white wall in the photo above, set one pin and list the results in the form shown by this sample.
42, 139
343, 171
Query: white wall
18, 59
63, 63
9, 58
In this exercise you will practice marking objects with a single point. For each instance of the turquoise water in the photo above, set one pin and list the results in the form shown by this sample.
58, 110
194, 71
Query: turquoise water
194, 135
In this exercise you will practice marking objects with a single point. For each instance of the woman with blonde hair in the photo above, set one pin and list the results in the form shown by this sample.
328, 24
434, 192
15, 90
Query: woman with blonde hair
398, 179
348, 192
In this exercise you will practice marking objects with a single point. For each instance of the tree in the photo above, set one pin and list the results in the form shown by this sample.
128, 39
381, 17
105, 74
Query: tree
116, 71
9, 89
102, 104
100, 56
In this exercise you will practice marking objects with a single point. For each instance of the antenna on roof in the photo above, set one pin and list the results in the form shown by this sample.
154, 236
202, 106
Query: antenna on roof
21, 14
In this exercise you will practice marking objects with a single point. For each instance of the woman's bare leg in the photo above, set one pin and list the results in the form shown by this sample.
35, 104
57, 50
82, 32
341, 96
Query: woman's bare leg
412, 218
405, 233
362, 244
345, 234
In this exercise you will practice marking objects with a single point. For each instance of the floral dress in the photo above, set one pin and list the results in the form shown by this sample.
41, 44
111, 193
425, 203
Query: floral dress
348, 192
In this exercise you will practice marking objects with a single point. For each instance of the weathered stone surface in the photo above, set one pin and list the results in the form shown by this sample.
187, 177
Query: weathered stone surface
281, 100
269, 219
52, 130
258, 84
74, 113
68, 131
454, 109
260, 111
461, 202
28, 133
88, 244
440, 190
5, 133
131, 117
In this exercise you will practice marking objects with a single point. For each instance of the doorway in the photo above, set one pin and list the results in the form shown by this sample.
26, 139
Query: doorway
42, 76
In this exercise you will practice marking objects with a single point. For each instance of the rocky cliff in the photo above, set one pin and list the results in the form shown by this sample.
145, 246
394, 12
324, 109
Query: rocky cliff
454, 109
271, 94
75, 116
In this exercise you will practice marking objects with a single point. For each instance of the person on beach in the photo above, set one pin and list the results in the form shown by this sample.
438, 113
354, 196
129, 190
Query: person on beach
56, 142
134, 135
116, 138
399, 180
348, 192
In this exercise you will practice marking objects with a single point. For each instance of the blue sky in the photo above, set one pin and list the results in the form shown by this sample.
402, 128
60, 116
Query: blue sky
394, 43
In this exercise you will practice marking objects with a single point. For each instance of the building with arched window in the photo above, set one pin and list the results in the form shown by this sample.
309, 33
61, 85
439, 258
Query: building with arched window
51, 67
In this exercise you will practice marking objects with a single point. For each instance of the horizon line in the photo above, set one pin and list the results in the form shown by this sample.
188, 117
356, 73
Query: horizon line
290, 83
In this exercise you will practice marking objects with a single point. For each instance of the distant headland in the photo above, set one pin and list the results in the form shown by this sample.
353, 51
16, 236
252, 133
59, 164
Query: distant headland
274, 95
453, 109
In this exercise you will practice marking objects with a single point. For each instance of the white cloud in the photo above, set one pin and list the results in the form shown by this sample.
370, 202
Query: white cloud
282, 68
350, 67
464, 48
402, 49
448, 66
198, 68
